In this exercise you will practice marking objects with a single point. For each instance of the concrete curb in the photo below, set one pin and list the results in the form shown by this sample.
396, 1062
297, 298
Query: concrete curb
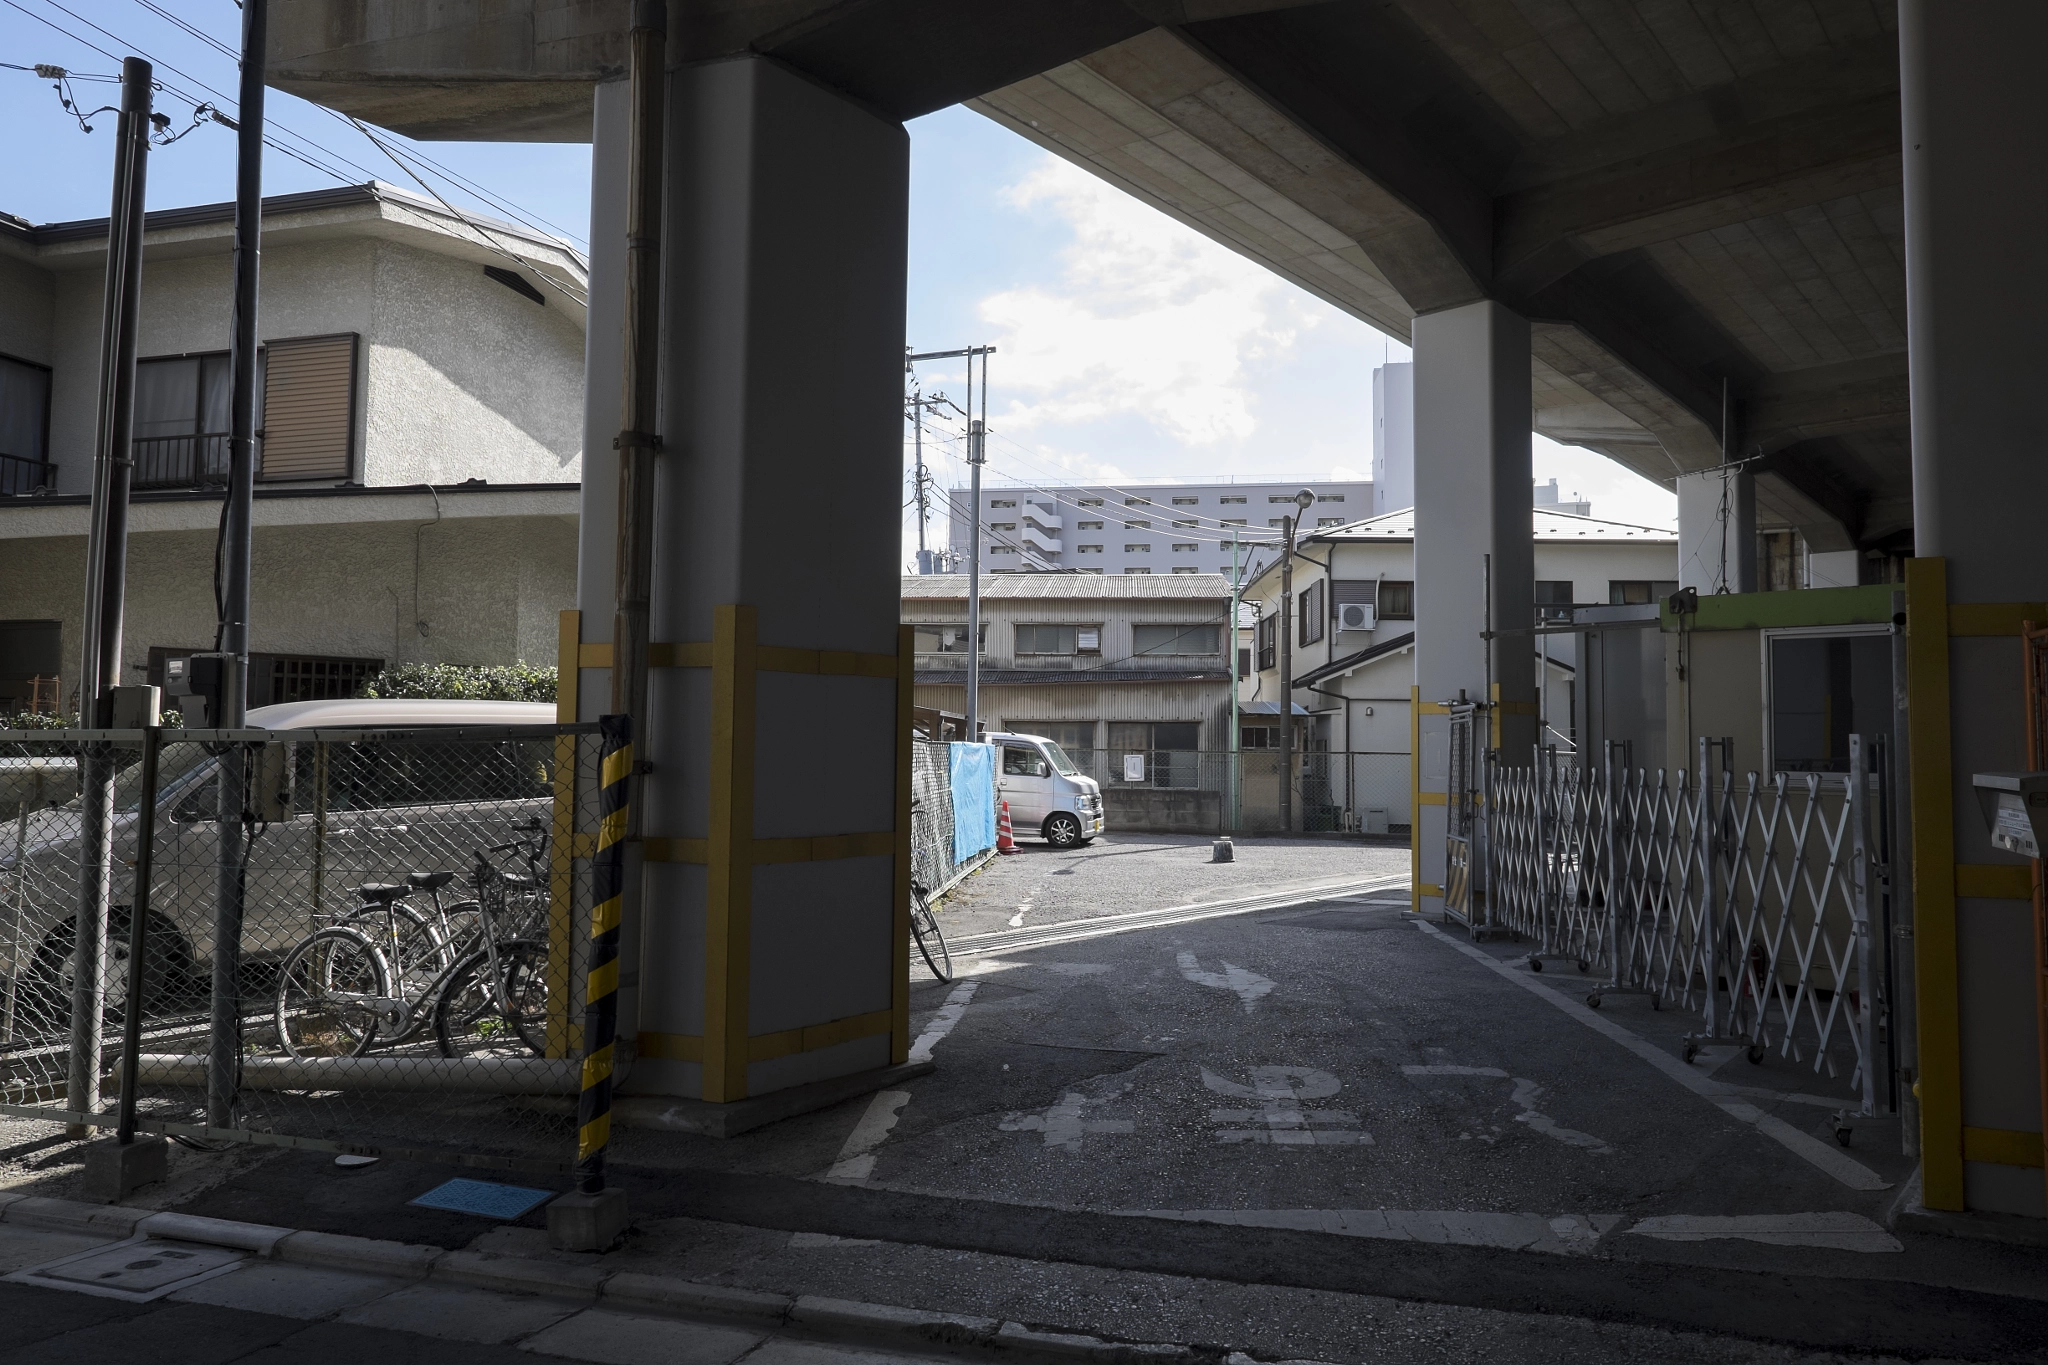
842, 1319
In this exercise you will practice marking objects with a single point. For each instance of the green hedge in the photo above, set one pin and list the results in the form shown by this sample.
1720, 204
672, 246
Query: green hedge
464, 682
31, 720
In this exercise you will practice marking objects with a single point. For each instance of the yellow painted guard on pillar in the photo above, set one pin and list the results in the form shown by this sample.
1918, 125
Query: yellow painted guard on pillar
899, 937
728, 955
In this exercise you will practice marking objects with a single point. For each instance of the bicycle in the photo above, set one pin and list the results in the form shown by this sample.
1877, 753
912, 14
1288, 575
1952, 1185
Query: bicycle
924, 925
338, 994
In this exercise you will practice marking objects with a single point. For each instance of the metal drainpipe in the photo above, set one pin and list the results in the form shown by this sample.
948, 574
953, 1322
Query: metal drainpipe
1287, 680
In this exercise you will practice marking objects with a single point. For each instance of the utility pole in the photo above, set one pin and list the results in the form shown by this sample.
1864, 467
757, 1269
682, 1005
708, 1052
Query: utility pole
1236, 755
106, 581
1304, 500
916, 406
223, 1071
977, 456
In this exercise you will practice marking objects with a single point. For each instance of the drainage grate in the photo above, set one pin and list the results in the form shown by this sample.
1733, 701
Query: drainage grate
138, 1270
483, 1198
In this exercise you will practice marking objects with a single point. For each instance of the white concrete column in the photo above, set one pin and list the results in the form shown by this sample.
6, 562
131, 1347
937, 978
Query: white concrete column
1472, 422
1717, 531
770, 947
1975, 116
603, 385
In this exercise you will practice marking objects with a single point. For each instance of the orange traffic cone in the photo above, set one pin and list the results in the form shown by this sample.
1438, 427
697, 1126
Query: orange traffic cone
1006, 842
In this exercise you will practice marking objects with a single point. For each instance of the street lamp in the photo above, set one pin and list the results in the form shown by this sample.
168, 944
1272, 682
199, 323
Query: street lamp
1303, 500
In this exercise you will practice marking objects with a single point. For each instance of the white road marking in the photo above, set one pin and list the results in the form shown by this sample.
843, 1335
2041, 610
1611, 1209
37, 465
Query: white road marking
857, 1158
1249, 985
1832, 1231
1524, 1096
1063, 1124
942, 1022
1847, 1170
1098, 926
1571, 1234
1281, 1120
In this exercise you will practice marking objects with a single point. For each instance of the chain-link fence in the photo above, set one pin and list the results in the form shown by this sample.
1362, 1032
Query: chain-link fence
1761, 905
936, 860
1213, 792
369, 941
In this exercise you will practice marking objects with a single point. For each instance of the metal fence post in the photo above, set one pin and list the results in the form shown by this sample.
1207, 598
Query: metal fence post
1610, 817
1710, 889
138, 934
1860, 917
224, 1048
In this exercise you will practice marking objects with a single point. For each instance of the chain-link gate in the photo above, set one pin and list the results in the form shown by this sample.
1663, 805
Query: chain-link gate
354, 940
1762, 906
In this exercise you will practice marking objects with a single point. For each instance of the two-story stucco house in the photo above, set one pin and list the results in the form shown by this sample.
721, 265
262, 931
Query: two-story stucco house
1352, 669
1128, 672
421, 440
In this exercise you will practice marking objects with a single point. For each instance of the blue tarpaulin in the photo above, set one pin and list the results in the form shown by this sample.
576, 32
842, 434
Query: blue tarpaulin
973, 776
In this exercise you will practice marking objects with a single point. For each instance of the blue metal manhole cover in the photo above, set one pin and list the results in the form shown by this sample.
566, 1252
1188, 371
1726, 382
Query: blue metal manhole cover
483, 1198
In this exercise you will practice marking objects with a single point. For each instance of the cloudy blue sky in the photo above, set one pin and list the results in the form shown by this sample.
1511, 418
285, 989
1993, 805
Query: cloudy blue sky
1129, 347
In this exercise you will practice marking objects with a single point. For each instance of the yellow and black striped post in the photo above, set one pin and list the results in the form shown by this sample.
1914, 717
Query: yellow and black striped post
601, 998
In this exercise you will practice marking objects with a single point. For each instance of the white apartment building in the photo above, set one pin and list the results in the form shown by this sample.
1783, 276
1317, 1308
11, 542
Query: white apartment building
1150, 529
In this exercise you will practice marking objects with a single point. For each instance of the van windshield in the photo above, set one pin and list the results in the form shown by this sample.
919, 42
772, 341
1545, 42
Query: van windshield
1061, 764
175, 762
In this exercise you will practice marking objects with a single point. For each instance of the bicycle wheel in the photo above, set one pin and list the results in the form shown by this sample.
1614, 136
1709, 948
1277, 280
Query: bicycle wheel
924, 927
329, 992
477, 1016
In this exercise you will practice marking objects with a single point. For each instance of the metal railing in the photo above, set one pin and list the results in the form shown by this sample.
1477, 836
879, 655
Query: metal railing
1760, 905
19, 476
381, 953
181, 461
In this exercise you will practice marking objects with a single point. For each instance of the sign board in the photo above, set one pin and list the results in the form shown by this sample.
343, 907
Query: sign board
2015, 809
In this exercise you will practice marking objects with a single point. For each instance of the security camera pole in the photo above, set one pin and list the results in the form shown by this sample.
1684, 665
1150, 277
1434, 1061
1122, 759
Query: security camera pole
1304, 500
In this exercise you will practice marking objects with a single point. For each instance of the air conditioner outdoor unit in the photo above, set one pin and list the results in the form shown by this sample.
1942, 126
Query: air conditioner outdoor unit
1355, 616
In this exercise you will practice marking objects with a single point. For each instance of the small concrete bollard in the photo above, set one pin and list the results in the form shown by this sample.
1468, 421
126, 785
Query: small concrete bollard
1223, 851
114, 1169
587, 1222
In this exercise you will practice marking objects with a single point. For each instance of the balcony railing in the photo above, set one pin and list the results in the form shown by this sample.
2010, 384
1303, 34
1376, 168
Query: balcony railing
19, 476
181, 461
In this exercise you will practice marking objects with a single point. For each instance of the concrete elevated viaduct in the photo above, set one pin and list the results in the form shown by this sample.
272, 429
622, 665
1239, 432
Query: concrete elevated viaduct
1798, 230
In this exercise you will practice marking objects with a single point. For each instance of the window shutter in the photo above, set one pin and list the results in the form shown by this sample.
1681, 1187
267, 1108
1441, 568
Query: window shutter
309, 407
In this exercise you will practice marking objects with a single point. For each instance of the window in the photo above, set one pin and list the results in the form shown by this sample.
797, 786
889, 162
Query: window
1397, 600
1067, 736
181, 421
429, 772
1002, 502
1238, 522
1091, 502
1187, 502
24, 426
1244, 663
1638, 592
1002, 526
1137, 549
1329, 521
1155, 754
1137, 526
1277, 522
1137, 502
1553, 599
319, 679
1314, 611
1019, 761
1097, 571
1329, 497
1230, 500
1088, 639
30, 655
1823, 689
1048, 639
1258, 736
1281, 497
1187, 525
1136, 569
1088, 549
308, 417
1088, 526
1191, 569
1002, 549
944, 638
1193, 549
1267, 635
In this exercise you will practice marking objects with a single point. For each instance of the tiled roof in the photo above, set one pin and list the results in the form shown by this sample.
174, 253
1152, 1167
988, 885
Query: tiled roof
1553, 526
953, 586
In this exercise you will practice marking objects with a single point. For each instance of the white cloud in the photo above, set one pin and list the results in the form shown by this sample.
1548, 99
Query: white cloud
1147, 319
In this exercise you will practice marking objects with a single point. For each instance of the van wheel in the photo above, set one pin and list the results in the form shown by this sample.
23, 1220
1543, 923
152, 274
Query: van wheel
173, 973
1063, 831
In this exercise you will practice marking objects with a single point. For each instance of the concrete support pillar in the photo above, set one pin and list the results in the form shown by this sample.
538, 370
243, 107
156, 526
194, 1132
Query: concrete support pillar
776, 884
1975, 122
603, 380
1717, 531
1472, 421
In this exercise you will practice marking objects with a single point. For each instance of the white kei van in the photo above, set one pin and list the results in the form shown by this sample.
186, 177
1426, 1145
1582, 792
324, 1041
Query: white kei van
1046, 792
343, 814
